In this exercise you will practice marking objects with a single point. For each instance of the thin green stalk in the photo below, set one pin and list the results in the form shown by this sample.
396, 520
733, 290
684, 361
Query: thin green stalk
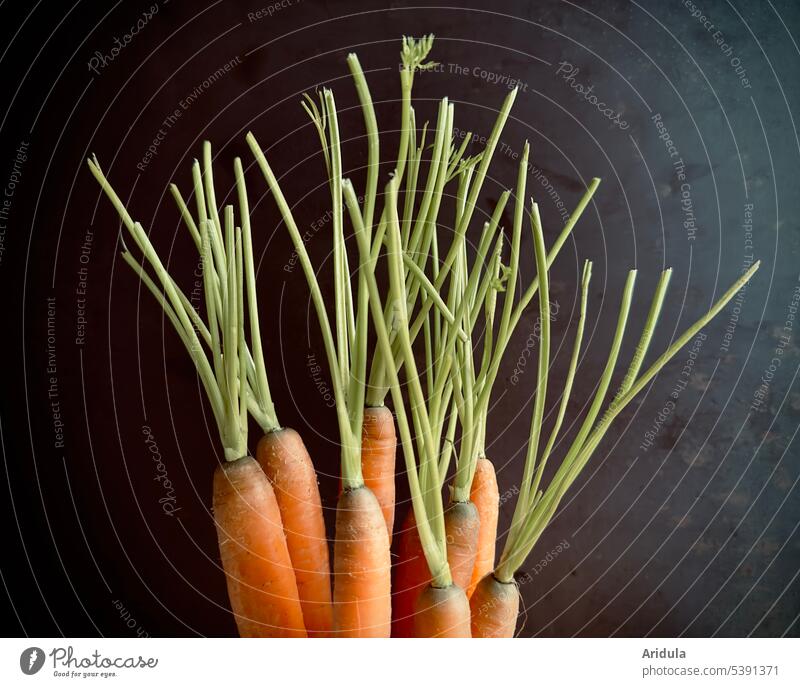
219, 265
647, 334
343, 298
557, 244
462, 482
573, 367
351, 444
186, 215
517, 539
412, 57
489, 376
373, 140
211, 310
414, 163
581, 451
544, 364
269, 420
434, 548
215, 375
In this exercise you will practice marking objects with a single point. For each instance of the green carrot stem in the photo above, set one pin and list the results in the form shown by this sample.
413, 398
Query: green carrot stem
544, 506
268, 418
373, 140
351, 444
433, 548
537, 416
573, 366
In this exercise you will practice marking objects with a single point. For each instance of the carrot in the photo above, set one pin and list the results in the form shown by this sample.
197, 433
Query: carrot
379, 440
428, 516
536, 506
255, 556
362, 564
442, 612
362, 589
285, 461
425, 542
411, 574
411, 570
378, 448
486, 497
461, 524
494, 606
258, 570
475, 479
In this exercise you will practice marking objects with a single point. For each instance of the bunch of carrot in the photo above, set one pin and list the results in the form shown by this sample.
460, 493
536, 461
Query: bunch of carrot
447, 581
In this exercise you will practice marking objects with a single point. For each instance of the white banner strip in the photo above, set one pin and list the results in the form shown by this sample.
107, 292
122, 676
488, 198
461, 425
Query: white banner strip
411, 663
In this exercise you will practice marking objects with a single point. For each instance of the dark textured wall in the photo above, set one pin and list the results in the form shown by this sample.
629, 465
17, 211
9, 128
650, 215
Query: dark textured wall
684, 525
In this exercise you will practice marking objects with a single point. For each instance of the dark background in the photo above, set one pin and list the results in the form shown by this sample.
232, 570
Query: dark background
696, 536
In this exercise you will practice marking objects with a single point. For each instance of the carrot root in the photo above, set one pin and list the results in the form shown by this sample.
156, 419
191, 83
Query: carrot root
462, 524
411, 574
362, 605
442, 612
285, 460
486, 497
494, 606
260, 578
378, 449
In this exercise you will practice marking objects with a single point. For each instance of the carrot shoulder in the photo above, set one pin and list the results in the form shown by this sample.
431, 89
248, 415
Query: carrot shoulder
255, 558
362, 582
378, 448
442, 612
286, 462
461, 523
494, 606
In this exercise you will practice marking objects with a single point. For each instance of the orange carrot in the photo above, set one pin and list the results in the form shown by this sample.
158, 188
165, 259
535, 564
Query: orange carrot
442, 612
362, 605
411, 574
461, 524
494, 606
486, 497
261, 581
286, 462
378, 447
411, 570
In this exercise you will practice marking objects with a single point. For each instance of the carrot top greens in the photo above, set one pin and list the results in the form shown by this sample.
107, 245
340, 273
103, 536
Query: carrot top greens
222, 357
259, 397
433, 291
422, 203
345, 349
346, 339
536, 506
480, 380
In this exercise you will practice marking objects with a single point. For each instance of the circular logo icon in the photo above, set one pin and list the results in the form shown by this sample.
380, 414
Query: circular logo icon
31, 660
